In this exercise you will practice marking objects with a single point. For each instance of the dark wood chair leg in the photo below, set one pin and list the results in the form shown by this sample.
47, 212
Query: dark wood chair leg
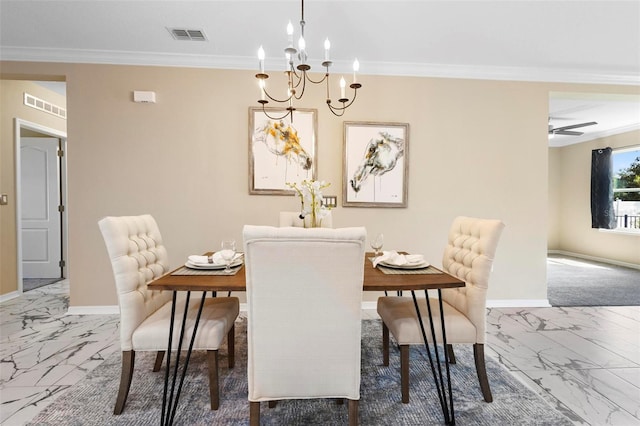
214, 391
254, 413
231, 346
385, 345
478, 355
353, 412
404, 372
128, 360
451, 354
158, 364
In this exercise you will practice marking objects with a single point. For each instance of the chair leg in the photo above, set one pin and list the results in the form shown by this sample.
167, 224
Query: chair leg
231, 346
478, 355
214, 391
385, 345
158, 364
353, 412
451, 354
254, 413
128, 360
404, 372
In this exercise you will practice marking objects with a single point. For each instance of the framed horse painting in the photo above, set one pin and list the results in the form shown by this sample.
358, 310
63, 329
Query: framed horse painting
282, 149
375, 164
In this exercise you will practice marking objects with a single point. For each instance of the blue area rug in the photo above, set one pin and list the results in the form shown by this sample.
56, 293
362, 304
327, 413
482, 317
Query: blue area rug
91, 401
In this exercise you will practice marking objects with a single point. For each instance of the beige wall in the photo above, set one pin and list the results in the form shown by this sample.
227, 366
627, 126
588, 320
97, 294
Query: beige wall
477, 148
11, 107
554, 194
571, 183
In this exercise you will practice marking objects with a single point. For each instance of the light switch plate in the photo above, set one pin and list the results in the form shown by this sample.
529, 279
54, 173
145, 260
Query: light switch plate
4, 200
330, 201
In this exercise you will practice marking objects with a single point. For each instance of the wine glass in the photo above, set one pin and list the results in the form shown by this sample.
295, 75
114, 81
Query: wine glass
376, 244
228, 252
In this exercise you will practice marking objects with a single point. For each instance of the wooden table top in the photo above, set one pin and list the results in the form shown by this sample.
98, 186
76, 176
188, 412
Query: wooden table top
374, 280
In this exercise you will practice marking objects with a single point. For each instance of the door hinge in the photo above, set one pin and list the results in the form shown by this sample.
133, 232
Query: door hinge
60, 153
62, 264
61, 208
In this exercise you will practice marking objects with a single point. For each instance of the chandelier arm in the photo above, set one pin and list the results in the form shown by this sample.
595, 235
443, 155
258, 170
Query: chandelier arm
319, 81
280, 101
333, 110
289, 112
304, 85
344, 104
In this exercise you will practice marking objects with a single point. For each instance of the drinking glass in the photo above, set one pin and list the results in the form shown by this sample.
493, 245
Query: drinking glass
228, 252
377, 243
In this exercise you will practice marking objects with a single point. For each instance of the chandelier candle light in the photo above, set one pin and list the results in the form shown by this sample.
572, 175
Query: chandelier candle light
297, 76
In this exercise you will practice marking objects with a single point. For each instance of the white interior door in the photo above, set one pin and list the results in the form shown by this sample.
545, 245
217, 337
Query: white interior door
40, 198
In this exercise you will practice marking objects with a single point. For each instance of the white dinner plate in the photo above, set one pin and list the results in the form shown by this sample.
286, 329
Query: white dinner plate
192, 265
420, 265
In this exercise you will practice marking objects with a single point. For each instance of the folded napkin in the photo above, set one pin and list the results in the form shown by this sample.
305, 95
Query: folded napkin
394, 258
215, 259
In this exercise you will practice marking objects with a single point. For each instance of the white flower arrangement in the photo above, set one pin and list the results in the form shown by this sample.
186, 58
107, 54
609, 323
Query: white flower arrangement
310, 193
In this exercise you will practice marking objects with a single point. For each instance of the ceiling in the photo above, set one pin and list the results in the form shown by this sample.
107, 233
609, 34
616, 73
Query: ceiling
576, 41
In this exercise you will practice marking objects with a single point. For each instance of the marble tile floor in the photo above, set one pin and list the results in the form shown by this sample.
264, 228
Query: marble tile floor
585, 361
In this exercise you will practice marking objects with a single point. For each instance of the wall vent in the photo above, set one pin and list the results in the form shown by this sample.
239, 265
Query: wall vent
42, 105
183, 34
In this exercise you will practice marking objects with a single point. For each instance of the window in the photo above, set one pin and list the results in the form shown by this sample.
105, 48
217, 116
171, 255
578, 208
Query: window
626, 187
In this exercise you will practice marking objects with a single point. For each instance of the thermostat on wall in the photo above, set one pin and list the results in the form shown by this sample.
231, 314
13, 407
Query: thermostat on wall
146, 97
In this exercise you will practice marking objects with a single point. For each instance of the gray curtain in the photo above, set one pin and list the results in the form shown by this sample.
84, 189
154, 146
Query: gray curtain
602, 213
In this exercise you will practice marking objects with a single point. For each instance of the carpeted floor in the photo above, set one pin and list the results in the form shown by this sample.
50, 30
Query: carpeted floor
578, 282
91, 401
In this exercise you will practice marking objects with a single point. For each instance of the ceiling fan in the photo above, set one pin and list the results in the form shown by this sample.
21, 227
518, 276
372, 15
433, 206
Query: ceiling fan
566, 130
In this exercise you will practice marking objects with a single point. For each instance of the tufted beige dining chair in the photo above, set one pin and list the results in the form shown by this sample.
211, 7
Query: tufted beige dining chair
304, 293
138, 256
293, 219
469, 257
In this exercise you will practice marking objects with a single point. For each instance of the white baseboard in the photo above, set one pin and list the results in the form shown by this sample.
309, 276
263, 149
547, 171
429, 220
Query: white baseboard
595, 259
518, 303
9, 296
499, 303
370, 305
94, 310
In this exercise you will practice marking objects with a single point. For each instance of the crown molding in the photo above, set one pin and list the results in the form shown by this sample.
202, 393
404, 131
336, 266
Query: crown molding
373, 68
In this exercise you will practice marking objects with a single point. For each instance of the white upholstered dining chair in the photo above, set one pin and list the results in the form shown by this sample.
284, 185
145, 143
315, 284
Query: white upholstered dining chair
304, 295
138, 256
293, 219
469, 257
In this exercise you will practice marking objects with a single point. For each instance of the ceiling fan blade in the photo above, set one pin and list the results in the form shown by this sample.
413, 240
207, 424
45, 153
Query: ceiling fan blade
567, 132
574, 126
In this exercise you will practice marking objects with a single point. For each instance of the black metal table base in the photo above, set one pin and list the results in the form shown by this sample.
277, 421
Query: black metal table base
170, 398
444, 390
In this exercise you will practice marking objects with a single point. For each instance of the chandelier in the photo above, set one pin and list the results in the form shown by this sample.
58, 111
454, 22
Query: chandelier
297, 76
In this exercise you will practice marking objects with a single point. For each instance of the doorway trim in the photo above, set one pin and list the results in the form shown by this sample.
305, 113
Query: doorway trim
20, 124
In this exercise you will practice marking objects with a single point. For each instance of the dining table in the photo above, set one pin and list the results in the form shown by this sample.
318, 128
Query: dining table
380, 279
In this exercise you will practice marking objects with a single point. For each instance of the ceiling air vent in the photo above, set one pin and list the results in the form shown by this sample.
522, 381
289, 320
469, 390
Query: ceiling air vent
183, 34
